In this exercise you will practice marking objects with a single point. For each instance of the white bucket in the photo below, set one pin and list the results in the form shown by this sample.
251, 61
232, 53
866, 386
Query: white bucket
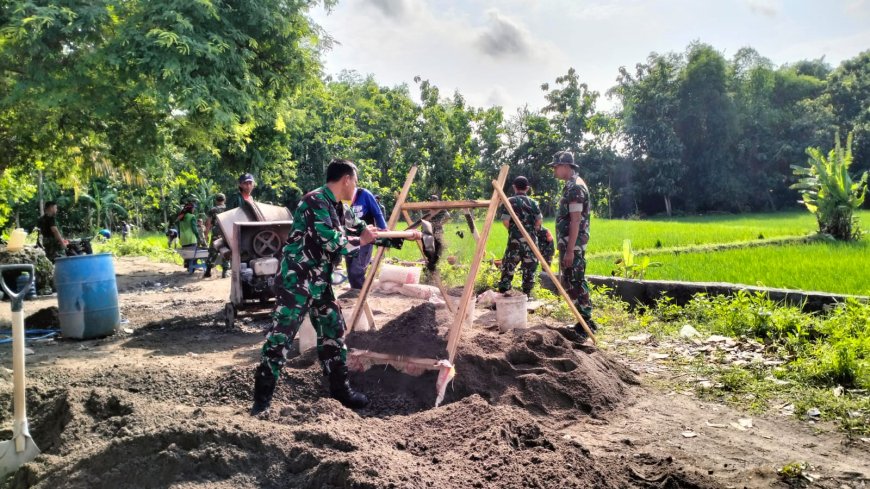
16, 240
510, 312
307, 336
401, 275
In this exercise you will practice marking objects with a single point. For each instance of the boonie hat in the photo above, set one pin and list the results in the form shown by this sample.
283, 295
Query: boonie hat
563, 158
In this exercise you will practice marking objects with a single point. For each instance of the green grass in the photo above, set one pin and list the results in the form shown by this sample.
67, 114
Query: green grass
608, 234
148, 243
824, 266
829, 267
807, 355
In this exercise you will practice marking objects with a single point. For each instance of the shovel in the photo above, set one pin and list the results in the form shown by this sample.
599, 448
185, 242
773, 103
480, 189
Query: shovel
21, 448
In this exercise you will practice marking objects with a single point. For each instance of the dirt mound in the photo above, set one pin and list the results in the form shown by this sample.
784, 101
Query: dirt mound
45, 318
414, 333
114, 439
543, 370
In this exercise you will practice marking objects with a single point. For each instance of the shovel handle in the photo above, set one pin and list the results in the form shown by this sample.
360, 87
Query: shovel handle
23, 267
397, 234
19, 412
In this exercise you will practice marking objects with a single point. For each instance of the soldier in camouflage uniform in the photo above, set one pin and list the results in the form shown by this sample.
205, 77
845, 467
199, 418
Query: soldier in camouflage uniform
546, 245
212, 225
517, 249
50, 237
572, 235
317, 241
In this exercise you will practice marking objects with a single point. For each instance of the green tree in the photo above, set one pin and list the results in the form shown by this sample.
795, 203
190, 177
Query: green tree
650, 107
706, 126
829, 192
848, 92
92, 84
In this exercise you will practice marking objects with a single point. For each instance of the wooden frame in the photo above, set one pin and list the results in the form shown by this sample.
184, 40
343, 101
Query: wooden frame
361, 359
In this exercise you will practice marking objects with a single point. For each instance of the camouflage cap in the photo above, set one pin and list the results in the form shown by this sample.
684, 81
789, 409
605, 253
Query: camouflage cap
220, 197
564, 158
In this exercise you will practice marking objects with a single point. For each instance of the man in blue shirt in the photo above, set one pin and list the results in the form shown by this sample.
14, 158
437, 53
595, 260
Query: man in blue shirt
369, 211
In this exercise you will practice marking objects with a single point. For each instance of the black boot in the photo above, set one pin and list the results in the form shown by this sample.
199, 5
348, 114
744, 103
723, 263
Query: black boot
339, 389
207, 273
264, 387
582, 332
224, 272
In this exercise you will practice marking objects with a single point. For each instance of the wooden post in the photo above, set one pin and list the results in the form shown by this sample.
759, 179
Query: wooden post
394, 218
461, 310
537, 253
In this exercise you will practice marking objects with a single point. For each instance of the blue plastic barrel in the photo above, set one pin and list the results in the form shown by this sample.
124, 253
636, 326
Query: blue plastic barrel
87, 296
22, 281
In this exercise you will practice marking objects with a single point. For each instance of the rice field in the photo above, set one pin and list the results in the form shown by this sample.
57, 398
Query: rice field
832, 267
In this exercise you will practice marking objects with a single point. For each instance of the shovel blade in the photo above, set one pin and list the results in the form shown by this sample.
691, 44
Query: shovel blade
11, 459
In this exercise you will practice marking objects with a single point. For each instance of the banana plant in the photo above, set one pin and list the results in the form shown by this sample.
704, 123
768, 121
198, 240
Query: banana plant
103, 202
829, 192
630, 267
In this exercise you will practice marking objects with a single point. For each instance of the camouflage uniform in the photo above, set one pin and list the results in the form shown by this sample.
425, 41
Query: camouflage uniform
316, 243
546, 245
517, 249
53, 248
575, 196
214, 255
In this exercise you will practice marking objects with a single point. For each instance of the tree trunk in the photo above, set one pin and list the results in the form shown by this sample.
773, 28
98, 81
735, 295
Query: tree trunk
668, 205
41, 201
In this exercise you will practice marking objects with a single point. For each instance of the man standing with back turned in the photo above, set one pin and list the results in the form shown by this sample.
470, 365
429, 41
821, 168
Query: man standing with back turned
518, 251
323, 231
572, 235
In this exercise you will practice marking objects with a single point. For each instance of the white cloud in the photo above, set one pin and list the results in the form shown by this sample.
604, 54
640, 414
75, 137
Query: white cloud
769, 8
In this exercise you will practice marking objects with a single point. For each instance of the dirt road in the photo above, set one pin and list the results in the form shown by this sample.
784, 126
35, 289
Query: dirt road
165, 405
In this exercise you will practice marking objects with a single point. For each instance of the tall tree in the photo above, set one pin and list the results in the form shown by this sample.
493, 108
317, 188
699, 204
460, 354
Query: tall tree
650, 107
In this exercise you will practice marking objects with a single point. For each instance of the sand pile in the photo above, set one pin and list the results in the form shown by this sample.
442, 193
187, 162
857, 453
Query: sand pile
414, 333
99, 438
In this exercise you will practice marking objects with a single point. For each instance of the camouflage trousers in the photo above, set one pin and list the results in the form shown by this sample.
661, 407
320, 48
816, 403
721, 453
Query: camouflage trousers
53, 250
573, 279
296, 296
214, 256
518, 252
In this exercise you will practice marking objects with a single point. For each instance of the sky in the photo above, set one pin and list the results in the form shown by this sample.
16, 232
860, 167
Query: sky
499, 52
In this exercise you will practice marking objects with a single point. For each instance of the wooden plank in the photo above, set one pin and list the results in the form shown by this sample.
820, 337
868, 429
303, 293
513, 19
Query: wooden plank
379, 255
543, 262
461, 310
445, 204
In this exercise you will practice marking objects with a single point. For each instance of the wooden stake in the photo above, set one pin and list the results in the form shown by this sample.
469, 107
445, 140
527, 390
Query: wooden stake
461, 310
367, 285
543, 262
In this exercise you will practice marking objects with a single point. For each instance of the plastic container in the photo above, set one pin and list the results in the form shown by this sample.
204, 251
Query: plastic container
307, 336
362, 324
16, 240
510, 312
400, 275
22, 282
419, 291
87, 296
